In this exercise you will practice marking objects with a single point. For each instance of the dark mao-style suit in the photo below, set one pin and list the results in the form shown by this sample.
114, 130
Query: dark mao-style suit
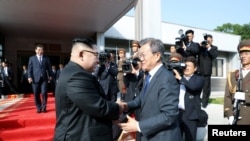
158, 115
82, 112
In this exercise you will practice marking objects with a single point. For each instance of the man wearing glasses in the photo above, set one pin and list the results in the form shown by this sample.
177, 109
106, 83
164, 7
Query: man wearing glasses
82, 111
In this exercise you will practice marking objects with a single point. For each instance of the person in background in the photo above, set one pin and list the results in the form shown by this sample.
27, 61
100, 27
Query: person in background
39, 74
82, 111
106, 75
121, 85
191, 86
235, 92
135, 48
8, 78
207, 54
172, 49
52, 82
189, 47
58, 72
158, 100
26, 86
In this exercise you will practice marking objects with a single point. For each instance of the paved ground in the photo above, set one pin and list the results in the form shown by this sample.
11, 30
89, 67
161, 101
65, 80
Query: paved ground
215, 114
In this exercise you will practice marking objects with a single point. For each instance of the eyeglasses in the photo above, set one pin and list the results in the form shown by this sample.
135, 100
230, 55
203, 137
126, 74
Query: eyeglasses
94, 53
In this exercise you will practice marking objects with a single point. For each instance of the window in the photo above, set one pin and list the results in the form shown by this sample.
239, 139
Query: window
218, 67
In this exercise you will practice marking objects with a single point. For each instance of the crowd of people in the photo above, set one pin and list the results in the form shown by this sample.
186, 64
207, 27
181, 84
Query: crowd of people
142, 97
150, 100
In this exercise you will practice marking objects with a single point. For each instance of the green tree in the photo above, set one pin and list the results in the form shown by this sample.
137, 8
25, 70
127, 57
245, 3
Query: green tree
242, 30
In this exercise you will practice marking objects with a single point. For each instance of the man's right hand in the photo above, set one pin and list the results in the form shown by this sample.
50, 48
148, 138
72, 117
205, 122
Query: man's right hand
30, 80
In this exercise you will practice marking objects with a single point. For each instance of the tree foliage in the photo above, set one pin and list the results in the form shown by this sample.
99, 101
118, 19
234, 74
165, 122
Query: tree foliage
242, 30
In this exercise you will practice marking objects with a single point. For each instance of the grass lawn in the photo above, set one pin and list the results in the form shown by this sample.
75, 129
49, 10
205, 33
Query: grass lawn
218, 100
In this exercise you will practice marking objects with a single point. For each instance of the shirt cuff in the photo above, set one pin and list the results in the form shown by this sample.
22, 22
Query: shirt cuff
138, 127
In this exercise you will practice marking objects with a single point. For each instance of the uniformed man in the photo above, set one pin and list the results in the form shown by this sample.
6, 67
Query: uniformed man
239, 93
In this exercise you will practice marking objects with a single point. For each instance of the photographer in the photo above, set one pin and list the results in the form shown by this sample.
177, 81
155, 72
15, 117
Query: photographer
132, 79
106, 74
189, 98
175, 62
208, 52
188, 48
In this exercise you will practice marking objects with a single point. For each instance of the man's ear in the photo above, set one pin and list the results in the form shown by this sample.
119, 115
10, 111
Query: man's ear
81, 54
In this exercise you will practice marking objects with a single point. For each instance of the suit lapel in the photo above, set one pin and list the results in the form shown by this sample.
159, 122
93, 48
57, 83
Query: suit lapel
151, 85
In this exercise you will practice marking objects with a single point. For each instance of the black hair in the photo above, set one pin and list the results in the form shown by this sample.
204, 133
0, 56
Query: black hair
85, 40
191, 59
189, 31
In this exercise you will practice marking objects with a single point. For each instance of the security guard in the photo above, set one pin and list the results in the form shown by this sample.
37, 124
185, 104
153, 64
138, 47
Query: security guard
242, 94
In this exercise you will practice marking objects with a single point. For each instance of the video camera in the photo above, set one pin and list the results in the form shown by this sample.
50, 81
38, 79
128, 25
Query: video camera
177, 65
126, 66
103, 57
180, 40
204, 43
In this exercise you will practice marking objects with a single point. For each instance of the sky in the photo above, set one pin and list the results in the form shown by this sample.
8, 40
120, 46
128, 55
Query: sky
206, 14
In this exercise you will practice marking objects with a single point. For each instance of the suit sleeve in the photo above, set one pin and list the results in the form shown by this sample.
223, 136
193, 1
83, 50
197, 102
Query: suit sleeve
197, 80
85, 91
213, 52
30, 68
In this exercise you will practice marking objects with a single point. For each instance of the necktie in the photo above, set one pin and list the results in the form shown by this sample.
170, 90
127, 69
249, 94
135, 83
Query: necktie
40, 59
146, 84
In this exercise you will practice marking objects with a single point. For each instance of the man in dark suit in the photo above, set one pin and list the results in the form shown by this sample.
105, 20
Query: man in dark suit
8, 78
107, 76
39, 73
189, 47
208, 52
82, 111
58, 72
26, 86
189, 99
158, 100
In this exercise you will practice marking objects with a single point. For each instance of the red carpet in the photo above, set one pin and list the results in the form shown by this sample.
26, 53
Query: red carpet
20, 122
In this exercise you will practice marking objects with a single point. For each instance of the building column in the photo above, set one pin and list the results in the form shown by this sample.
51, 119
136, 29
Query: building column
148, 19
100, 41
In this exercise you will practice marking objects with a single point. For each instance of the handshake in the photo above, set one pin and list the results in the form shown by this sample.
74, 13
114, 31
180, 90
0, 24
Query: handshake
123, 106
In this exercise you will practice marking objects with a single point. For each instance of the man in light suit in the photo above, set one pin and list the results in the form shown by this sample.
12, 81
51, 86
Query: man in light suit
82, 111
158, 102
39, 73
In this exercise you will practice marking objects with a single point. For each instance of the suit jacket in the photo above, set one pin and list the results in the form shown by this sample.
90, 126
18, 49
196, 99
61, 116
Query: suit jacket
205, 60
192, 96
82, 112
107, 78
133, 88
37, 70
191, 50
231, 86
159, 108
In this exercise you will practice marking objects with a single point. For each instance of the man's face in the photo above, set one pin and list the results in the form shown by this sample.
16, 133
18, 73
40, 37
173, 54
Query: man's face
148, 59
245, 57
134, 49
190, 37
91, 59
39, 51
190, 69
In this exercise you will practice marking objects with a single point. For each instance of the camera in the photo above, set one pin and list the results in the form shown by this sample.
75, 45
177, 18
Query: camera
103, 57
180, 40
177, 65
204, 43
126, 66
